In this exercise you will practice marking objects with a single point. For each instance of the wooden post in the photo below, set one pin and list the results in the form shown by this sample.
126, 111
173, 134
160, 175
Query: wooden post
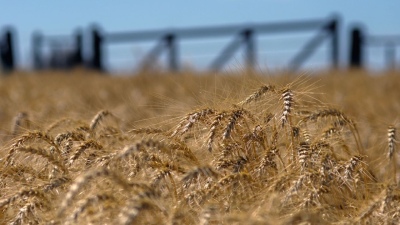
7, 51
333, 28
356, 48
97, 53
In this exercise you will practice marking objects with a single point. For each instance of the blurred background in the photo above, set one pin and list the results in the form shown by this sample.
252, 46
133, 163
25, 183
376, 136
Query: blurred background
128, 36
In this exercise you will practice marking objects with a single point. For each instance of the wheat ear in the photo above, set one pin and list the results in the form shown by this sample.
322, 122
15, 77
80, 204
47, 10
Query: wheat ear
30, 136
257, 94
82, 148
213, 130
190, 119
287, 97
23, 214
304, 153
206, 171
84, 179
391, 141
128, 150
392, 148
20, 194
235, 116
130, 212
43, 153
87, 203
98, 118
341, 117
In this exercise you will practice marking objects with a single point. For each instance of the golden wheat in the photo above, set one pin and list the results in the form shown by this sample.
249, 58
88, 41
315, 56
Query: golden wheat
276, 155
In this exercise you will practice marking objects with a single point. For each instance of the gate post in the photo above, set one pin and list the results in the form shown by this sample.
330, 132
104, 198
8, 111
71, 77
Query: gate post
7, 51
97, 53
333, 28
78, 49
356, 48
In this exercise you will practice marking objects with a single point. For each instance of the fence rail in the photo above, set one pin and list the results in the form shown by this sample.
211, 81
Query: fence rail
168, 41
243, 35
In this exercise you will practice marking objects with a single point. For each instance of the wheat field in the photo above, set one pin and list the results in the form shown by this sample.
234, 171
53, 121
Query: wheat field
313, 148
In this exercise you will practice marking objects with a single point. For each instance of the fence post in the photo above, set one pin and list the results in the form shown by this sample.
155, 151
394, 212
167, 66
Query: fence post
97, 53
334, 32
248, 36
173, 52
335, 43
356, 48
7, 51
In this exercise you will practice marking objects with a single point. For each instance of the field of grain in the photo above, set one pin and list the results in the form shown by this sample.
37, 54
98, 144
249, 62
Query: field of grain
312, 148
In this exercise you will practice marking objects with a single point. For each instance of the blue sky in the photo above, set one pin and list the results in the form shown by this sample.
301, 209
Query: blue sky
62, 17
